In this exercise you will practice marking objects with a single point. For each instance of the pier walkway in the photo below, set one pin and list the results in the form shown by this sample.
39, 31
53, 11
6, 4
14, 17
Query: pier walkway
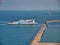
36, 40
50, 21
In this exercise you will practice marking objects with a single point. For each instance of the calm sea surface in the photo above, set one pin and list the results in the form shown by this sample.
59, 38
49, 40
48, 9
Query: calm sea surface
52, 33
24, 34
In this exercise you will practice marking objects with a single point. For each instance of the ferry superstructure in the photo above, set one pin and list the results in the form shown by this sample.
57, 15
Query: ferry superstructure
28, 21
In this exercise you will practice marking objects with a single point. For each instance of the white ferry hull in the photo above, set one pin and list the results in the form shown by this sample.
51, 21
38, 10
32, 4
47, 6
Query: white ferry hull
24, 22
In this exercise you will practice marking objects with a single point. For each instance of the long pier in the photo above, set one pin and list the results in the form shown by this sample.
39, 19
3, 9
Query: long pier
38, 36
50, 21
37, 39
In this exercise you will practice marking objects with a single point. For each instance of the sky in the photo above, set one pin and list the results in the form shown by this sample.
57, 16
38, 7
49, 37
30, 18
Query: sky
29, 4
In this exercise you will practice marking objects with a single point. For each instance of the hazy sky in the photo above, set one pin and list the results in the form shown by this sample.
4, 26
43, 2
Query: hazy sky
29, 4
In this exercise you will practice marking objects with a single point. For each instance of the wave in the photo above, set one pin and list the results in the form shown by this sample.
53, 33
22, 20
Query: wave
3, 22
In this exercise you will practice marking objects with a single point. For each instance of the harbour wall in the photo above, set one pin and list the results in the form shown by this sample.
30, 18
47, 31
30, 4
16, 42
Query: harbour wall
37, 39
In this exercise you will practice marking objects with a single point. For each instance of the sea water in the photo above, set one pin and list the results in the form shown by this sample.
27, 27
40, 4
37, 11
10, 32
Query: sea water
52, 33
22, 34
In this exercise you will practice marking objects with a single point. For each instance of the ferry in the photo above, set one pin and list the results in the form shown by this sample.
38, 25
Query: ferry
28, 21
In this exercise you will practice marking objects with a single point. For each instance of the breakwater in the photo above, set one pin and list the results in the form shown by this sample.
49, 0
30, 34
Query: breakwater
50, 21
38, 36
36, 40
